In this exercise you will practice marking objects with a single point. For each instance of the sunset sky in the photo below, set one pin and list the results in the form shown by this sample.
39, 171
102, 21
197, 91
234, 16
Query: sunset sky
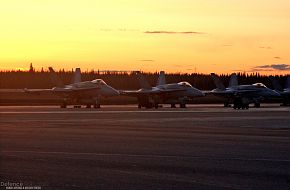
221, 36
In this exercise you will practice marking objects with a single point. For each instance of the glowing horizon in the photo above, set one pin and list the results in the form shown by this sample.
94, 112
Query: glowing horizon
180, 36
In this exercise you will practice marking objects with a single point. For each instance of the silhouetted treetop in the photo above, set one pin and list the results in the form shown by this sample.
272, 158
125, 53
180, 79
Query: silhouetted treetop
122, 80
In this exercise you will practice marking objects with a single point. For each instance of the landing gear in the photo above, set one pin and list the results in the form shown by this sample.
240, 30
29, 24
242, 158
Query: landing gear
227, 104
97, 104
245, 106
156, 105
257, 105
241, 106
77, 106
239, 103
64, 103
139, 106
63, 106
182, 105
88, 106
173, 106
285, 103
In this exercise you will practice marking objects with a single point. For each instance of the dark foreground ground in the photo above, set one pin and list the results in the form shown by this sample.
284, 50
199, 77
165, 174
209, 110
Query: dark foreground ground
202, 147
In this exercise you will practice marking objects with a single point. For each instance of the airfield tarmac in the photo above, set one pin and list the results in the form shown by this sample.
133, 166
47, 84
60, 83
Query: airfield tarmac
121, 147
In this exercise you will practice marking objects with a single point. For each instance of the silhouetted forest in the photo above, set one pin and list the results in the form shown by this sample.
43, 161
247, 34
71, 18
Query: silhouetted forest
121, 80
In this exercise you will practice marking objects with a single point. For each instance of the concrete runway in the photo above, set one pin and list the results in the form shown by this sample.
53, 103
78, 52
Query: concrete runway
121, 147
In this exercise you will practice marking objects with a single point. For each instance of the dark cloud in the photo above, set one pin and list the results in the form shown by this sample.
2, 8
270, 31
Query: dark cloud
277, 57
147, 60
258, 70
171, 32
151, 32
279, 67
263, 67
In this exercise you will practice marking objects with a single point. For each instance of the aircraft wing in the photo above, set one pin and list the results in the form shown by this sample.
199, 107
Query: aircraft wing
234, 92
149, 92
36, 91
67, 91
75, 92
207, 92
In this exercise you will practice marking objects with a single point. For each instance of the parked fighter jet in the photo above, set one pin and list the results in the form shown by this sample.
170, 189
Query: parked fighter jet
87, 92
220, 86
243, 95
174, 93
285, 93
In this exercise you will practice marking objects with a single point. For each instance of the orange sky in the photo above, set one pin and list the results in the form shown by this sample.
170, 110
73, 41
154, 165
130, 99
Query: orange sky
150, 35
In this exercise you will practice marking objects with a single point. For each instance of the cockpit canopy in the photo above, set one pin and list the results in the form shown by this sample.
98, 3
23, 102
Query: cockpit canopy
186, 84
260, 85
99, 81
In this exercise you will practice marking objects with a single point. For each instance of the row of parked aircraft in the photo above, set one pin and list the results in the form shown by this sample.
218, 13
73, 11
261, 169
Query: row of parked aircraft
90, 92
243, 95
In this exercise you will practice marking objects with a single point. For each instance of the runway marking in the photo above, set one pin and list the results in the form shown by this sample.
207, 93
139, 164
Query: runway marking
148, 156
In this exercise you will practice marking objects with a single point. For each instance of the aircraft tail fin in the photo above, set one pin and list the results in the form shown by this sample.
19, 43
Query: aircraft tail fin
287, 82
142, 81
233, 80
217, 81
276, 84
54, 78
77, 76
161, 79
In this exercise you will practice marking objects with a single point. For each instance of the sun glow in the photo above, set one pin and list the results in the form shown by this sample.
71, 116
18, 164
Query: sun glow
176, 36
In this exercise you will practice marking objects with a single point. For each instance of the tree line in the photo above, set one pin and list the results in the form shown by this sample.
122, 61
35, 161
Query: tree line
123, 80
